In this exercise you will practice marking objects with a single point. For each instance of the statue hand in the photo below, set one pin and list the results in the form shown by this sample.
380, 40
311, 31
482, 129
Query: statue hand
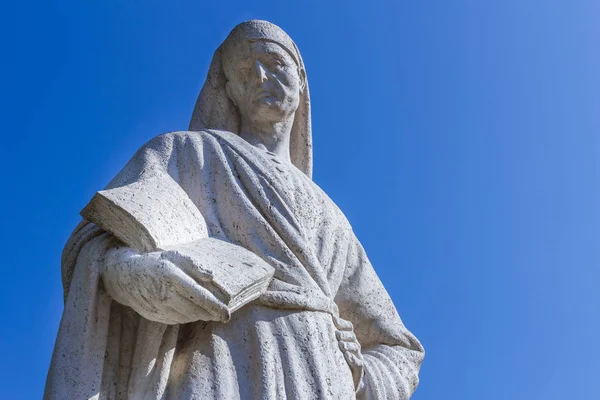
158, 289
351, 349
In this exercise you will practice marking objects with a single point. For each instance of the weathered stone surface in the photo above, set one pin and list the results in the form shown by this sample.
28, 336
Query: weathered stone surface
325, 328
150, 214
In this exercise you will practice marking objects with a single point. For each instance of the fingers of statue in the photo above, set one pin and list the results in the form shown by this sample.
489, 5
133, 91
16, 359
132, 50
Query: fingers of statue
350, 347
356, 363
346, 336
177, 312
195, 292
351, 350
179, 309
179, 291
344, 325
157, 289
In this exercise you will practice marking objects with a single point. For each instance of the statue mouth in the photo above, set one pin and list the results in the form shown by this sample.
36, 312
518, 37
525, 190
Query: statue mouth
263, 93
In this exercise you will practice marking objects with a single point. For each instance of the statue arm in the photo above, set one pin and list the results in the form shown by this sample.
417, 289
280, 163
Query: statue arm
154, 284
157, 289
391, 355
150, 284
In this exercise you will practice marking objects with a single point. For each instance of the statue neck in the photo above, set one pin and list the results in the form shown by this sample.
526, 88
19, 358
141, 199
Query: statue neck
270, 136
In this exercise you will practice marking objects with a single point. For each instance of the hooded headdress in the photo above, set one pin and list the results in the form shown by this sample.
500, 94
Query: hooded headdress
214, 109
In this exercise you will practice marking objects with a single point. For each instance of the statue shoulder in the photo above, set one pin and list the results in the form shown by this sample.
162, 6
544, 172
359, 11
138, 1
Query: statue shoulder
179, 144
170, 139
334, 211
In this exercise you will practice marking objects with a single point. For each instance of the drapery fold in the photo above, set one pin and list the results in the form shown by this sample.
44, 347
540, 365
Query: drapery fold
105, 350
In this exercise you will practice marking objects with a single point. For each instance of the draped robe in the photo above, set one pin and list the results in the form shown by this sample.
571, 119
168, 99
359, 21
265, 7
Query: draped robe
282, 345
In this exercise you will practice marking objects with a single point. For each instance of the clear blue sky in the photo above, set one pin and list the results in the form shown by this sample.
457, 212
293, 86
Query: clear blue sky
461, 138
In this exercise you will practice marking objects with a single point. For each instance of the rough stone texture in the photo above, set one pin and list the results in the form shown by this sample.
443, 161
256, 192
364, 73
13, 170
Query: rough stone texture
155, 215
150, 214
324, 329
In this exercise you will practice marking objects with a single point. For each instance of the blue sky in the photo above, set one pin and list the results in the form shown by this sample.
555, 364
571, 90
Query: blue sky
461, 139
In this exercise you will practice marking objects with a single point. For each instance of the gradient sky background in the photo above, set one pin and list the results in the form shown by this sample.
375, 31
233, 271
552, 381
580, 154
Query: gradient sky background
461, 139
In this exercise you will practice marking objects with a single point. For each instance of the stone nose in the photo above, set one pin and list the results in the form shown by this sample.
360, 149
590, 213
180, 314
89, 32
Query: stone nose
261, 71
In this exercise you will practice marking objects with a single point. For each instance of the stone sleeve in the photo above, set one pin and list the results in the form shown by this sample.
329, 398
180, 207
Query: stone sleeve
392, 355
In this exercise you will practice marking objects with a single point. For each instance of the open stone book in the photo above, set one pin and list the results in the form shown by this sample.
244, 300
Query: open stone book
155, 214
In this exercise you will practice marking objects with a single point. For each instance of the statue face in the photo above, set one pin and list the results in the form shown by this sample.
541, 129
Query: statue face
263, 81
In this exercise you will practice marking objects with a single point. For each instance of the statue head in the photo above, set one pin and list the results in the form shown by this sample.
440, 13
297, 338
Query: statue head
264, 76
258, 73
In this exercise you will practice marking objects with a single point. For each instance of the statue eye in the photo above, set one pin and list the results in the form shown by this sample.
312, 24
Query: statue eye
277, 64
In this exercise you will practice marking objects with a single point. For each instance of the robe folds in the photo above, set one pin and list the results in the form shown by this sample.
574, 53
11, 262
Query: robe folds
282, 345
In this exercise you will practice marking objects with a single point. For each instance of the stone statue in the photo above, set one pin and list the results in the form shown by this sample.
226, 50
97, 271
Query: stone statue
325, 328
